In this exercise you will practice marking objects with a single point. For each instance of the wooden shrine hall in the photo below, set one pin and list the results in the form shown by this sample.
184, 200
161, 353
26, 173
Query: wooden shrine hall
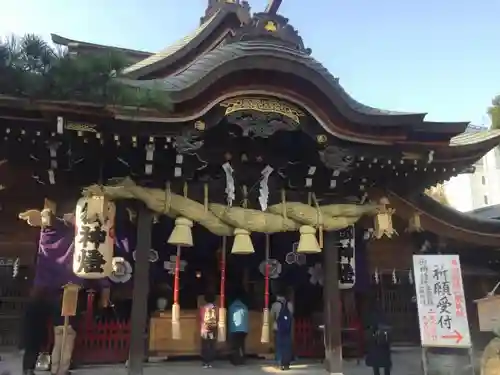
261, 173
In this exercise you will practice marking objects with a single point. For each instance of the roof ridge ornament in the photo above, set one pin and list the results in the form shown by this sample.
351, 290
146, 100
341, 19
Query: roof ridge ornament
213, 6
271, 26
273, 6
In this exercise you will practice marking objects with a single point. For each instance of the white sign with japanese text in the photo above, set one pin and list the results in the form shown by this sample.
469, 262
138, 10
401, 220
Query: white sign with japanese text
441, 303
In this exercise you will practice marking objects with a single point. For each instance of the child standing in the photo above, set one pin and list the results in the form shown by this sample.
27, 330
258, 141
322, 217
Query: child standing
208, 331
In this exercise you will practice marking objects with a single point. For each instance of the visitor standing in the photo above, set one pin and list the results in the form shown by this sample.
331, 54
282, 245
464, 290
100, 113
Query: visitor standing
208, 330
378, 355
238, 330
34, 329
282, 313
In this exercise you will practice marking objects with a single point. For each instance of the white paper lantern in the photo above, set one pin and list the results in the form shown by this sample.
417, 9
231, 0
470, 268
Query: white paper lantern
94, 238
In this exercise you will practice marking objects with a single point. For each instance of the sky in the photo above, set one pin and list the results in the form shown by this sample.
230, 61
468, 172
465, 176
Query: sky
433, 56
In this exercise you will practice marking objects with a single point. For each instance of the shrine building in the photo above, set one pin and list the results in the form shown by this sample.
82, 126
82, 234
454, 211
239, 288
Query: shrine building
262, 175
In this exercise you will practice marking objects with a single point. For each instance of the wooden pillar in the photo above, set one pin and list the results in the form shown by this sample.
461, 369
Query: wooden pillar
140, 292
331, 302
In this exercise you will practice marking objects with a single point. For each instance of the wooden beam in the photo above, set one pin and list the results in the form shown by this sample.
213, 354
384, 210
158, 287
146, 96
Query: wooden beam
138, 318
331, 302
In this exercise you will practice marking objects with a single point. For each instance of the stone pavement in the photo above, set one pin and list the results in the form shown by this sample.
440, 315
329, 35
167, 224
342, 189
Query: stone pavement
406, 362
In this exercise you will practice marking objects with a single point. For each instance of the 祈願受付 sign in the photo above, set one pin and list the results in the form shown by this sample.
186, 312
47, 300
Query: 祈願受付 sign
441, 301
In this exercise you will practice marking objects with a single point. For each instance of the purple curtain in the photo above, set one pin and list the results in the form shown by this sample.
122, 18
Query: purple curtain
54, 264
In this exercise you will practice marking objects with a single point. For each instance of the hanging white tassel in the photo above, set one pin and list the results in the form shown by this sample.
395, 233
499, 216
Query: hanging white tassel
394, 277
230, 189
376, 276
264, 189
15, 268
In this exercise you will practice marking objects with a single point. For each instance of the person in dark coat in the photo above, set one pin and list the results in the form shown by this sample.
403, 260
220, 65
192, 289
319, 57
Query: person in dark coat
34, 329
378, 344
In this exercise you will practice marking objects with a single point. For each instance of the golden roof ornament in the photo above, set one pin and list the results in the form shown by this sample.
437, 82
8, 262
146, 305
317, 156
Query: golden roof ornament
383, 220
271, 26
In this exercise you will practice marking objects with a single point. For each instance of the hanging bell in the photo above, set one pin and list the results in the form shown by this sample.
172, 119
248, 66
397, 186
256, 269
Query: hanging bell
242, 242
414, 224
383, 220
308, 242
182, 234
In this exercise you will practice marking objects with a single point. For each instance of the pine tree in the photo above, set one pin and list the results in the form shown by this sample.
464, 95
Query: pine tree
31, 68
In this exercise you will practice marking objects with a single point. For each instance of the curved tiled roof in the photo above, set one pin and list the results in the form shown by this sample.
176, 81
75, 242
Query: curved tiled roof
71, 43
471, 138
253, 48
159, 57
239, 55
192, 41
447, 221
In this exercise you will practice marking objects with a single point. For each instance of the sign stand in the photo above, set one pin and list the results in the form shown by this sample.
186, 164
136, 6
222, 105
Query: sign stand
68, 308
424, 361
472, 362
442, 312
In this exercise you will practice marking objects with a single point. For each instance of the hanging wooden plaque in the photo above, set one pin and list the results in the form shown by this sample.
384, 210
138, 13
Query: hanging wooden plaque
69, 300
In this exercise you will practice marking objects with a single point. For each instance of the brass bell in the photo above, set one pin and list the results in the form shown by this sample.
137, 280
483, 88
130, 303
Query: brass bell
242, 242
415, 224
308, 243
182, 234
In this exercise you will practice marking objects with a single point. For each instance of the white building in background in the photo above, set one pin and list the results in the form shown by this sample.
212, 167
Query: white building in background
470, 191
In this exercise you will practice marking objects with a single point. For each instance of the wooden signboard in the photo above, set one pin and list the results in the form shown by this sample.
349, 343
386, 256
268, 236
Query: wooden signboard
69, 300
441, 301
488, 311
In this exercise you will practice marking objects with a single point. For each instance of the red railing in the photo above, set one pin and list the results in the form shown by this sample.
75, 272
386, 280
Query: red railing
109, 341
308, 339
103, 342
309, 342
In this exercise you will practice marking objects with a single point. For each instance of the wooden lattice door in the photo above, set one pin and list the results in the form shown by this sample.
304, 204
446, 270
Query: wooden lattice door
13, 298
399, 309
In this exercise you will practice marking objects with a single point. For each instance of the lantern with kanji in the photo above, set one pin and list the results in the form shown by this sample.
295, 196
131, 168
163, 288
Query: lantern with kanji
94, 237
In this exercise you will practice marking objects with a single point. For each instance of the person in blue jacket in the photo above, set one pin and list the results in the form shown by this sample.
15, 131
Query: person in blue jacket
238, 329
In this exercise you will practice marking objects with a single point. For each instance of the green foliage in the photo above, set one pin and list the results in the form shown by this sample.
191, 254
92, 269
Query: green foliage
31, 68
494, 112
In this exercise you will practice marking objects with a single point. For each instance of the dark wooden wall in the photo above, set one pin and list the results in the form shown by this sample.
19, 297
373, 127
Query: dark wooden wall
17, 239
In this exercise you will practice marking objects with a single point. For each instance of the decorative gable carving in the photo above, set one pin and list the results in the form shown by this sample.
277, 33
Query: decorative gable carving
268, 26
